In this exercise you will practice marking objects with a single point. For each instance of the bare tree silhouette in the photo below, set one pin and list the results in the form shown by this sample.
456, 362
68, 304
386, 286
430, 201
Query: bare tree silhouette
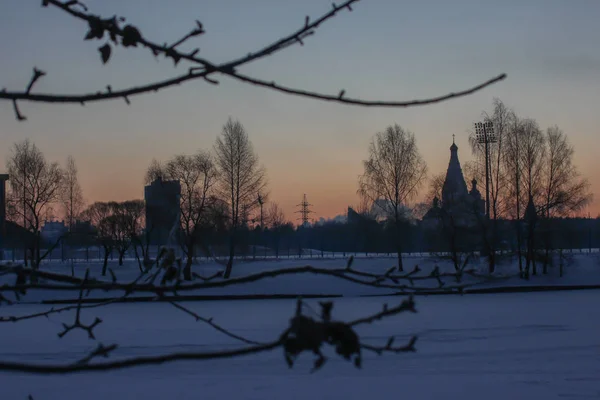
240, 178
71, 195
99, 214
276, 222
393, 175
35, 187
436, 183
564, 190
197, 175
131, 220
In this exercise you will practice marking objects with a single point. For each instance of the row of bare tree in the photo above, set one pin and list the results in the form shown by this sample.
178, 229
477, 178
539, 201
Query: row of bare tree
119, 226
220, 190
226, 187
532, 178
393, 174
528, 162
222, 187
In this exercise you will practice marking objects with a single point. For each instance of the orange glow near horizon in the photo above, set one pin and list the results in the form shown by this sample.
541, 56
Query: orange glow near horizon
328, 189
326, 203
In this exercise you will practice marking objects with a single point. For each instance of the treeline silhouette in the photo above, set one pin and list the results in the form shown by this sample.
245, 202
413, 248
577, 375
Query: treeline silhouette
362, 234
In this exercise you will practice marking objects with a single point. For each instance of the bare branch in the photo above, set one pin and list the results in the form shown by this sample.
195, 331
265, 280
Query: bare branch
365, 103
130, 36
100, 351
77, 324
337, 273
216, 275
133, 362
406, 305
210, 322
303, 334
62, 278
199, 30
37, 74
98, 96
19, 116
409, 347
306, 30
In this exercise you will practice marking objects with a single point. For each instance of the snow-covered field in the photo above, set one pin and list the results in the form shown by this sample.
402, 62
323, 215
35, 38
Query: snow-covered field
488, 346
478, 346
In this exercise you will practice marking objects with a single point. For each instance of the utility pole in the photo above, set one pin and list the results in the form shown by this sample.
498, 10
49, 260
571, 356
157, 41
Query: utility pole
590, 231
261, 202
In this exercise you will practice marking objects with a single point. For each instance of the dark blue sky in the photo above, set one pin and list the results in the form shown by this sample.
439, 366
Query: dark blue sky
384, 49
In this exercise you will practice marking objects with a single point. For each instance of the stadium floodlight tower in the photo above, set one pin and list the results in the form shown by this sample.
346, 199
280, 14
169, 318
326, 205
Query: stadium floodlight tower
485, 135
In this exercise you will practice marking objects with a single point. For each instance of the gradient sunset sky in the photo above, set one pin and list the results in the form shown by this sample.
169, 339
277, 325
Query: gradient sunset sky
384, 49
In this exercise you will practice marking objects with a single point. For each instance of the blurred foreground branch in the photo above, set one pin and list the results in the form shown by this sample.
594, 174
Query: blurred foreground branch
129, 35
404, 283
303, 334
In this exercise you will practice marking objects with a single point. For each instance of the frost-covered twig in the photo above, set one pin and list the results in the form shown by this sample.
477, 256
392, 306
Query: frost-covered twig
406, 305
62, 278
409, 347
8, 269
412, 275
344, 274
134, 362
210, 322
52, 310
216, 275
77, 323
100, 351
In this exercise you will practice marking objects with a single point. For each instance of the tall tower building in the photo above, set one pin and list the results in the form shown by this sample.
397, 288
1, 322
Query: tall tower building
162, 210
3, 179
456, 198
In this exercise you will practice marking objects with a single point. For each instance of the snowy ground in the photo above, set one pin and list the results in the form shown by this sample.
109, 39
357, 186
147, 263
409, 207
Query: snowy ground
581, 269
493, 346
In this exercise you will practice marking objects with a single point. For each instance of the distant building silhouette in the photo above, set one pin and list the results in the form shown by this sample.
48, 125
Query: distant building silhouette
11, 235
162, 209
432, 216
383, 210
352, 217
52, 231
457, 200
82, 227
454, 190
